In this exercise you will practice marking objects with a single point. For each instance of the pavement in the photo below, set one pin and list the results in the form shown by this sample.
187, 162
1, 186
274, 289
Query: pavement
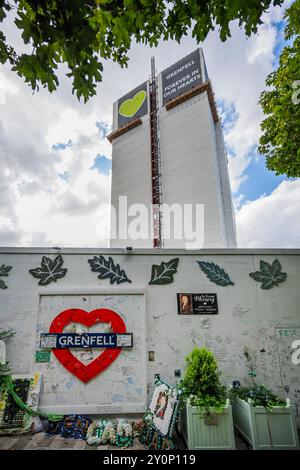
39, 441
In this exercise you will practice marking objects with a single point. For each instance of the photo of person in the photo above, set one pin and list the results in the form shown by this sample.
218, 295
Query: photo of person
185, 304
161, 405
151, 356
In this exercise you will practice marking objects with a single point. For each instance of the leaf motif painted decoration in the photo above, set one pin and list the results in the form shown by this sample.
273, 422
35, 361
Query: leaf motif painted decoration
270, 275
4, 270
108, 270
215, 274
50, 270
164, 273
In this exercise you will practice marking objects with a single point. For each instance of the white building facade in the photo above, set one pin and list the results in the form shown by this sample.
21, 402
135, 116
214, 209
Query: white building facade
184, 159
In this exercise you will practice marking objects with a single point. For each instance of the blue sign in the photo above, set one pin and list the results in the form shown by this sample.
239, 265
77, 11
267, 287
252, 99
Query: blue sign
85, 340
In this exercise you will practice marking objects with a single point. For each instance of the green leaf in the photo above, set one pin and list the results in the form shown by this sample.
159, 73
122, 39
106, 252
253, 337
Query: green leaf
50, 270
74, 32
280, 140
164, 273
270, 275
108, 270
2, 284
4, 270
215, 274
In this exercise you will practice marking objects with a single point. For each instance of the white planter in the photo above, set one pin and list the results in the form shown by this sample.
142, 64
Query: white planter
265, 429
198, 434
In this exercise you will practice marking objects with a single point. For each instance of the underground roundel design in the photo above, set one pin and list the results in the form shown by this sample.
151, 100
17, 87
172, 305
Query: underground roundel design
131, 106
75, 315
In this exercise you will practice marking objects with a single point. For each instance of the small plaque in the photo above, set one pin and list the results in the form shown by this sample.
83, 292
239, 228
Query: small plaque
42, 356
197, 304
124, 340
211, 419
48, 341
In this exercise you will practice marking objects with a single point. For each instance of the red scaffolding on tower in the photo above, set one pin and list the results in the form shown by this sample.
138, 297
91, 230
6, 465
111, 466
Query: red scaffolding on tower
155, 161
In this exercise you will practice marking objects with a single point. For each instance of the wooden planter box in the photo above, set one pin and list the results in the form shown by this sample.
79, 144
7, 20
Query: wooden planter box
264, 429
204, 433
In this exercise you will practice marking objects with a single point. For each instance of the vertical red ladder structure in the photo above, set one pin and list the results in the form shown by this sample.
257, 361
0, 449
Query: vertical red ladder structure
155, 161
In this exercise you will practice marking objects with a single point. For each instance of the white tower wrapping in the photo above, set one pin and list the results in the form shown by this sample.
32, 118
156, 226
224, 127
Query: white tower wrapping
192, 167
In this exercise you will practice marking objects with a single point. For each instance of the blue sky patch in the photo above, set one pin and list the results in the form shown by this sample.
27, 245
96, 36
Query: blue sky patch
103, 129
102, 165
64, 176
260, 181
228, 114
60, 146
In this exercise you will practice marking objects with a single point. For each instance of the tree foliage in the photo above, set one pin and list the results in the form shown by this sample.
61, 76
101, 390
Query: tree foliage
82, 34
280, 141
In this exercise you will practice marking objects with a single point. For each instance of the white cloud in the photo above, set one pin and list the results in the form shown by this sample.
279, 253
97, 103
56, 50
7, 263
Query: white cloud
38, 207
271, 221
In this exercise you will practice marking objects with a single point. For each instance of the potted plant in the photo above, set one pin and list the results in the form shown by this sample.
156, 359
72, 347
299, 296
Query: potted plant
206, 415
265, 420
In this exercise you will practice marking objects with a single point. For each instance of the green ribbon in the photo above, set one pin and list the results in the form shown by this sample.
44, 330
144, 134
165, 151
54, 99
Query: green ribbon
8, 383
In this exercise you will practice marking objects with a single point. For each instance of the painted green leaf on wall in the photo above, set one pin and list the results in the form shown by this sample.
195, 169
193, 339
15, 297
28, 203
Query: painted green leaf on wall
215, 274
164, 272
50, 270
4, 270
108, 270
270, 275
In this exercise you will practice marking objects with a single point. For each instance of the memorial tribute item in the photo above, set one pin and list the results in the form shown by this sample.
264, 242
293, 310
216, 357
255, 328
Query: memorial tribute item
61, 342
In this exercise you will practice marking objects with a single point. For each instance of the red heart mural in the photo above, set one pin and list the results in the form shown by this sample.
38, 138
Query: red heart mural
87, 372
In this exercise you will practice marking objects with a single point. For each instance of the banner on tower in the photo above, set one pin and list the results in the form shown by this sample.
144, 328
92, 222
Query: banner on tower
133, 105
181, 77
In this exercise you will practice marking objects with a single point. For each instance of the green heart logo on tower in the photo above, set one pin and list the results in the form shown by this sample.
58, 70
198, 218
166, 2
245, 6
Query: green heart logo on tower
131, 106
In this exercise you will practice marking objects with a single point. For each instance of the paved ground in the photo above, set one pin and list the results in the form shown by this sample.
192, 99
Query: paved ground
38, 441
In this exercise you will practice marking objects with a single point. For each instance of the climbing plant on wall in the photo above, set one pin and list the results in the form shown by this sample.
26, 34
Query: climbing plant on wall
164, 272
4, 270
50, 270
107, 269
215, 273
270, 275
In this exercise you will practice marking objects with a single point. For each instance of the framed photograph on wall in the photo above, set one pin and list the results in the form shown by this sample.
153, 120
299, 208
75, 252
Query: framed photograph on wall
197, 304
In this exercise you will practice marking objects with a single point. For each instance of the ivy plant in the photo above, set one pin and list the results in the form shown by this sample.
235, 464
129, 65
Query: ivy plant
260, 395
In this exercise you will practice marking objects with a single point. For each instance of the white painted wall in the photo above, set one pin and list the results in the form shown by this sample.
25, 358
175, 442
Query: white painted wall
265, 321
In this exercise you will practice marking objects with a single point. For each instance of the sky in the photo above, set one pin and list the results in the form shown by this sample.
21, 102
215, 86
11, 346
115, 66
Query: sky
56, 161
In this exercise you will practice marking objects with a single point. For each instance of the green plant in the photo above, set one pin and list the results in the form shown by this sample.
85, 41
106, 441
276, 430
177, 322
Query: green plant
260, 396
280, 139
251, 362
83, 34
4, 335
201, 384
